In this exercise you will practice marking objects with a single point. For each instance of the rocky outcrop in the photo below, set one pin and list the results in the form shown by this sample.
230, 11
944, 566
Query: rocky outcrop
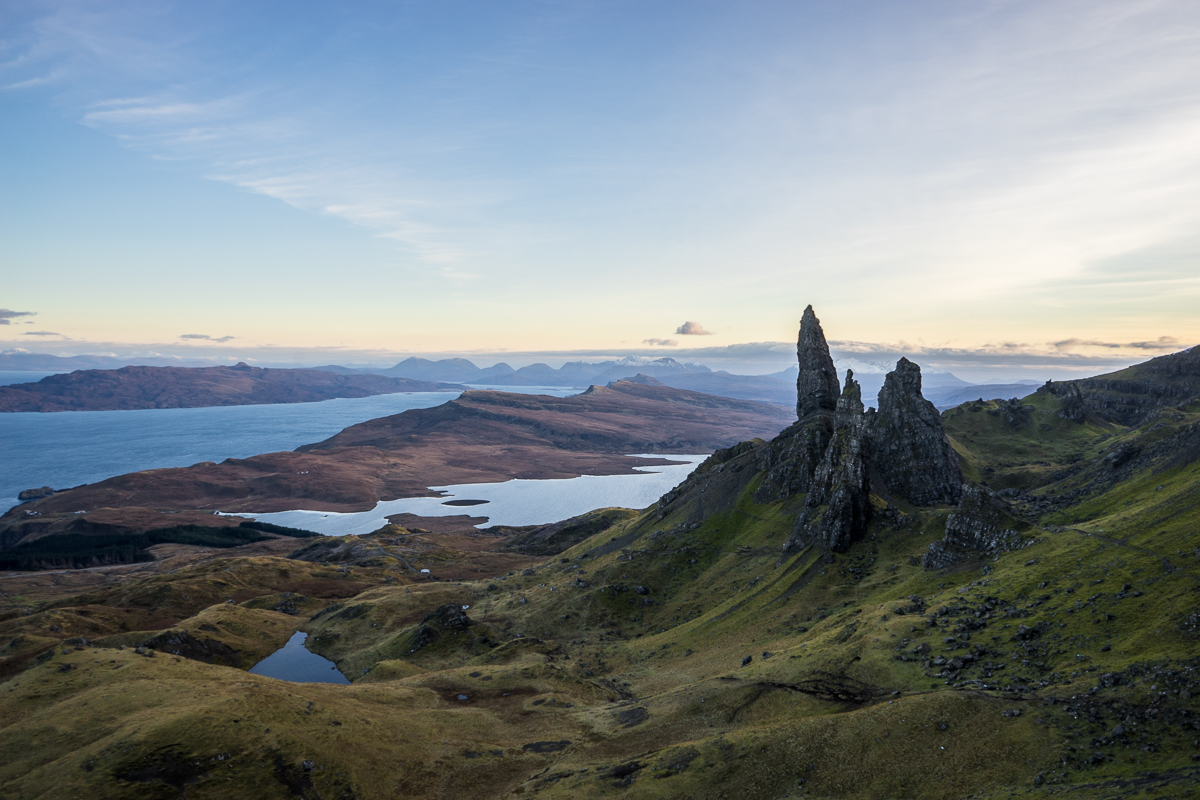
1071, 401
909, 449
35, 494
983, 524
1131, 395
448, 619
182, 643
789, 461
838, 506
817, 383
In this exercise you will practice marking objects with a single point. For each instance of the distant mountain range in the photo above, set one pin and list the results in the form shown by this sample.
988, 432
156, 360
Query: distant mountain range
943, 389
24, 361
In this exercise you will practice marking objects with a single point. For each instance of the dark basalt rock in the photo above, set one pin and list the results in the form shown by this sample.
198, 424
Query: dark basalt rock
1131, 395
817, 383
450, 616
909, 449
1071, 399
182, 643
838, 505
1015, 413
983, 524
790, 459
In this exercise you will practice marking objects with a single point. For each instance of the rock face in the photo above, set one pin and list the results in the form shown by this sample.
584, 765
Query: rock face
909, 449
983, 524
1131, 395
838, 506
789, 461
817, 383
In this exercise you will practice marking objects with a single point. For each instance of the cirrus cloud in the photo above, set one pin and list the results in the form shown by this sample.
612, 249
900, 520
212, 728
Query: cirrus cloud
661, 342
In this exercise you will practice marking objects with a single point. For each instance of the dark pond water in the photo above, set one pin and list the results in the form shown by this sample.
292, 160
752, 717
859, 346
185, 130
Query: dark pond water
293, 662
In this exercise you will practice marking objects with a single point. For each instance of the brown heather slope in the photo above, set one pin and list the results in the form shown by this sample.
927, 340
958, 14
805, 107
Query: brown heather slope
479, 437
185, 387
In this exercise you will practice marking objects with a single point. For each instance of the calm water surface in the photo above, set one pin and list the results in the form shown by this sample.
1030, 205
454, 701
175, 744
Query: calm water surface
294, 662
68, 448
515, 502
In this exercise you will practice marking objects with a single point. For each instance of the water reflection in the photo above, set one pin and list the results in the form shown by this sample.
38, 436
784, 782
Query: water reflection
294, 662
514, 502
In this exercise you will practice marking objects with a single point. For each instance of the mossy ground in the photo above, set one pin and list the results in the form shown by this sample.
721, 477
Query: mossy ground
618, 667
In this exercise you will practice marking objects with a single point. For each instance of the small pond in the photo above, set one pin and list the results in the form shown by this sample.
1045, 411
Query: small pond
294, 662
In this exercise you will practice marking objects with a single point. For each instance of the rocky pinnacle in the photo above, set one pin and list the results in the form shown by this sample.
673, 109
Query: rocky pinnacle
838, 505
909, 449
817, 384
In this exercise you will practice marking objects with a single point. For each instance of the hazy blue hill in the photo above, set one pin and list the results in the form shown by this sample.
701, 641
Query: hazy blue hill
451, 370
945, 397
18, 360
762, 388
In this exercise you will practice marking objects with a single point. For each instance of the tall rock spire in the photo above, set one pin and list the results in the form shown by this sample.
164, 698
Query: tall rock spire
909, 449
817, 384
838, 506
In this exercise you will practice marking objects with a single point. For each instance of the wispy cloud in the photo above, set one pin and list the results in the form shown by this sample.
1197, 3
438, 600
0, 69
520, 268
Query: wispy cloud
42, 333
1019, 155
30, 83
206, 338
134, 113
1161, 343
661, 342
7, 316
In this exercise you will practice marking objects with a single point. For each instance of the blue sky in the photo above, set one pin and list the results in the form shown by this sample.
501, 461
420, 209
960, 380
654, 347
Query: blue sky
1014, 180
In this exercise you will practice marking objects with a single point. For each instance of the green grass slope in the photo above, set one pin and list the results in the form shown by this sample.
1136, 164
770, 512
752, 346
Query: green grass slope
670, 658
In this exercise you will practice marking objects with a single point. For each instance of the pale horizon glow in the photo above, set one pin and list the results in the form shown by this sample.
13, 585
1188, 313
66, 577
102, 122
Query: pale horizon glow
1012, 187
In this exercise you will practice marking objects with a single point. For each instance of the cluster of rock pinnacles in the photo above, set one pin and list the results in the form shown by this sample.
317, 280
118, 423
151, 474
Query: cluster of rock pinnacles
837, 453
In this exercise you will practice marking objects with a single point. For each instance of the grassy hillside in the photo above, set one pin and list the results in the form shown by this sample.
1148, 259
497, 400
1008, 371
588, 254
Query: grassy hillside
667, 659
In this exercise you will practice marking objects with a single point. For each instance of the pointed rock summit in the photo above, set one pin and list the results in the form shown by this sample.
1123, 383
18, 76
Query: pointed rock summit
817, 383
909, 449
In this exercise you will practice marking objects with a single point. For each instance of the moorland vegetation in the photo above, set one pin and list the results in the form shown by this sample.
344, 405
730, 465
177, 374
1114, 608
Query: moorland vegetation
1000, 600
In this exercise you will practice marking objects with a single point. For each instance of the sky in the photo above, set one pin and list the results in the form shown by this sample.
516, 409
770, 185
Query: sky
1009, 187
